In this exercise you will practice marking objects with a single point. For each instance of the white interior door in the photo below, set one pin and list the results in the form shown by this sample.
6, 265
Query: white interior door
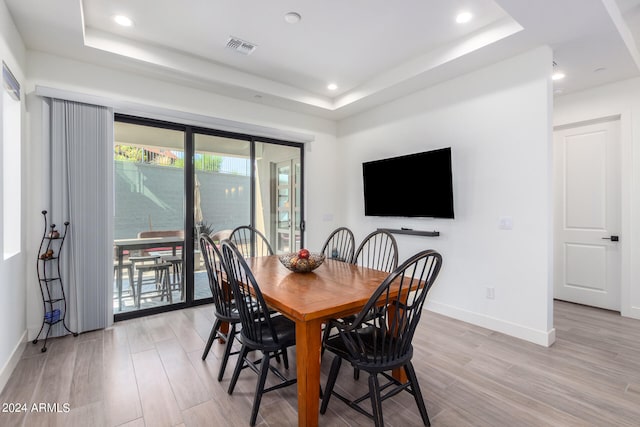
587, 216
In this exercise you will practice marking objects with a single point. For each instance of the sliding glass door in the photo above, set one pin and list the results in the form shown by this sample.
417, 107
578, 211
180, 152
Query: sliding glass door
222, 194
173, 182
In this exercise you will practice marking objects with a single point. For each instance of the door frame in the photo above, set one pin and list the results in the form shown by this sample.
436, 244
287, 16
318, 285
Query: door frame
580, 236
301, 149
628, 204
294, 181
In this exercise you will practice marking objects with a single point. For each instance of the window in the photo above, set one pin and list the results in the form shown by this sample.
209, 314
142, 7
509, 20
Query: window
11, 160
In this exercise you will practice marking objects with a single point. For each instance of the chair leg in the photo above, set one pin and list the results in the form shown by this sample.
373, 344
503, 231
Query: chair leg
167, 284
264, 369
174, 273
356, 374
212, 336
132, 279
285, 358
236, 372
417, 394
139, 286
227, 350
376, 403
180, 282
160, 285
331, 382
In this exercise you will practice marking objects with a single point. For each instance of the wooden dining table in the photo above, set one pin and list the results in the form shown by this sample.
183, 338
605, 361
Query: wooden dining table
335, 289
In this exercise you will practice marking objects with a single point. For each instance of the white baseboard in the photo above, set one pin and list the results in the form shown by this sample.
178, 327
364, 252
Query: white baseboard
631, 311
32, 333
544, 338
11, 364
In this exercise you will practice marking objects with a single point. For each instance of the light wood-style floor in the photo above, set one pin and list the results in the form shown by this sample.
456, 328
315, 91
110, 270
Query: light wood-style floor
148, 372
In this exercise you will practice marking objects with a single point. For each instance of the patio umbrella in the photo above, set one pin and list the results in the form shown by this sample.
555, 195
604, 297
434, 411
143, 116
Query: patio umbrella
197, 208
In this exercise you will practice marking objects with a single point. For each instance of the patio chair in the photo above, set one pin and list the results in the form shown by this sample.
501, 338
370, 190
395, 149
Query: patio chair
164, 255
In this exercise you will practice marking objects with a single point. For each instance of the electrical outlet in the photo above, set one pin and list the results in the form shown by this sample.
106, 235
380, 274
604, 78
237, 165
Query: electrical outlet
505, 223
491, 293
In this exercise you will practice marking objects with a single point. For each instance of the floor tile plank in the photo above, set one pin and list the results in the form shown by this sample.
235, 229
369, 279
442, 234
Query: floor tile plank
187, 387
159, 406
149, 372
121, 398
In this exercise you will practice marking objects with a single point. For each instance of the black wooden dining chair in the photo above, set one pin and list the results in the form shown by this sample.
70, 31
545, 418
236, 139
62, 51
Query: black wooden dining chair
378, 250
261, 331
224, 305
339, 245
383, 343
250, 242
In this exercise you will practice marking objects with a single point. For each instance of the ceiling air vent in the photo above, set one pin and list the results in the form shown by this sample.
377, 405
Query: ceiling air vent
240, 46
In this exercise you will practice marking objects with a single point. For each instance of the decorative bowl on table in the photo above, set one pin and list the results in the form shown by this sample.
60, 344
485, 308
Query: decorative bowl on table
302, 261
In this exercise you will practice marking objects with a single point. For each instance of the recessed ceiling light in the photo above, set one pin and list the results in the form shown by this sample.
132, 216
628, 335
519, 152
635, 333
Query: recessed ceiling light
125, 21
332, 86
292, 17
558, 75
463, 17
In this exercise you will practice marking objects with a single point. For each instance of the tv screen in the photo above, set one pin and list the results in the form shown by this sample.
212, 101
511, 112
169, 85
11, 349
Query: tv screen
416, 185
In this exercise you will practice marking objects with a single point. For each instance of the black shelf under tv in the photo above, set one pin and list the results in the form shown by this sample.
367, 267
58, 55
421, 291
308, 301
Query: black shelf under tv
412, 232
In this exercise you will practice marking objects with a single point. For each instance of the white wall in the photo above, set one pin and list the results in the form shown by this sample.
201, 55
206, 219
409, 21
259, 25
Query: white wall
52, 71
12, 271
497, 121
617, 99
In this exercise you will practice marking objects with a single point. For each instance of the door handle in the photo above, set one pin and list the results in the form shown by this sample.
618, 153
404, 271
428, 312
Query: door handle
612, 238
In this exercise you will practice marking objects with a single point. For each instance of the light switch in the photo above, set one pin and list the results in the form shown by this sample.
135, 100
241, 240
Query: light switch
506, 223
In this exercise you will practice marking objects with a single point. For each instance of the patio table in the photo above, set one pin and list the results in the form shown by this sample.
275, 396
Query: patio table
123, 245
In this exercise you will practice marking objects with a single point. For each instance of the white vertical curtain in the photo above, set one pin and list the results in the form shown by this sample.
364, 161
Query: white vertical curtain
81, 192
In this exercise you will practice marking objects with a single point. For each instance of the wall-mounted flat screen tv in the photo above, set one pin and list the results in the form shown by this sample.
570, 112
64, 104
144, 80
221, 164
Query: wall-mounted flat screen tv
416, 185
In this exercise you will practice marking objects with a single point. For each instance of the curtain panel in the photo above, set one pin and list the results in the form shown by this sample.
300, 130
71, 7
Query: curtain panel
81, 192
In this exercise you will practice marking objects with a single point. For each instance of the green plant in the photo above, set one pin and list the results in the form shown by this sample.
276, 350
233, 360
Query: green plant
202, 227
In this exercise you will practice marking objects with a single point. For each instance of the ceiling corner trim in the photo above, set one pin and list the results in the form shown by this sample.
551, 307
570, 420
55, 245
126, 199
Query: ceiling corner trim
432, 60
623, 29
82, 21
